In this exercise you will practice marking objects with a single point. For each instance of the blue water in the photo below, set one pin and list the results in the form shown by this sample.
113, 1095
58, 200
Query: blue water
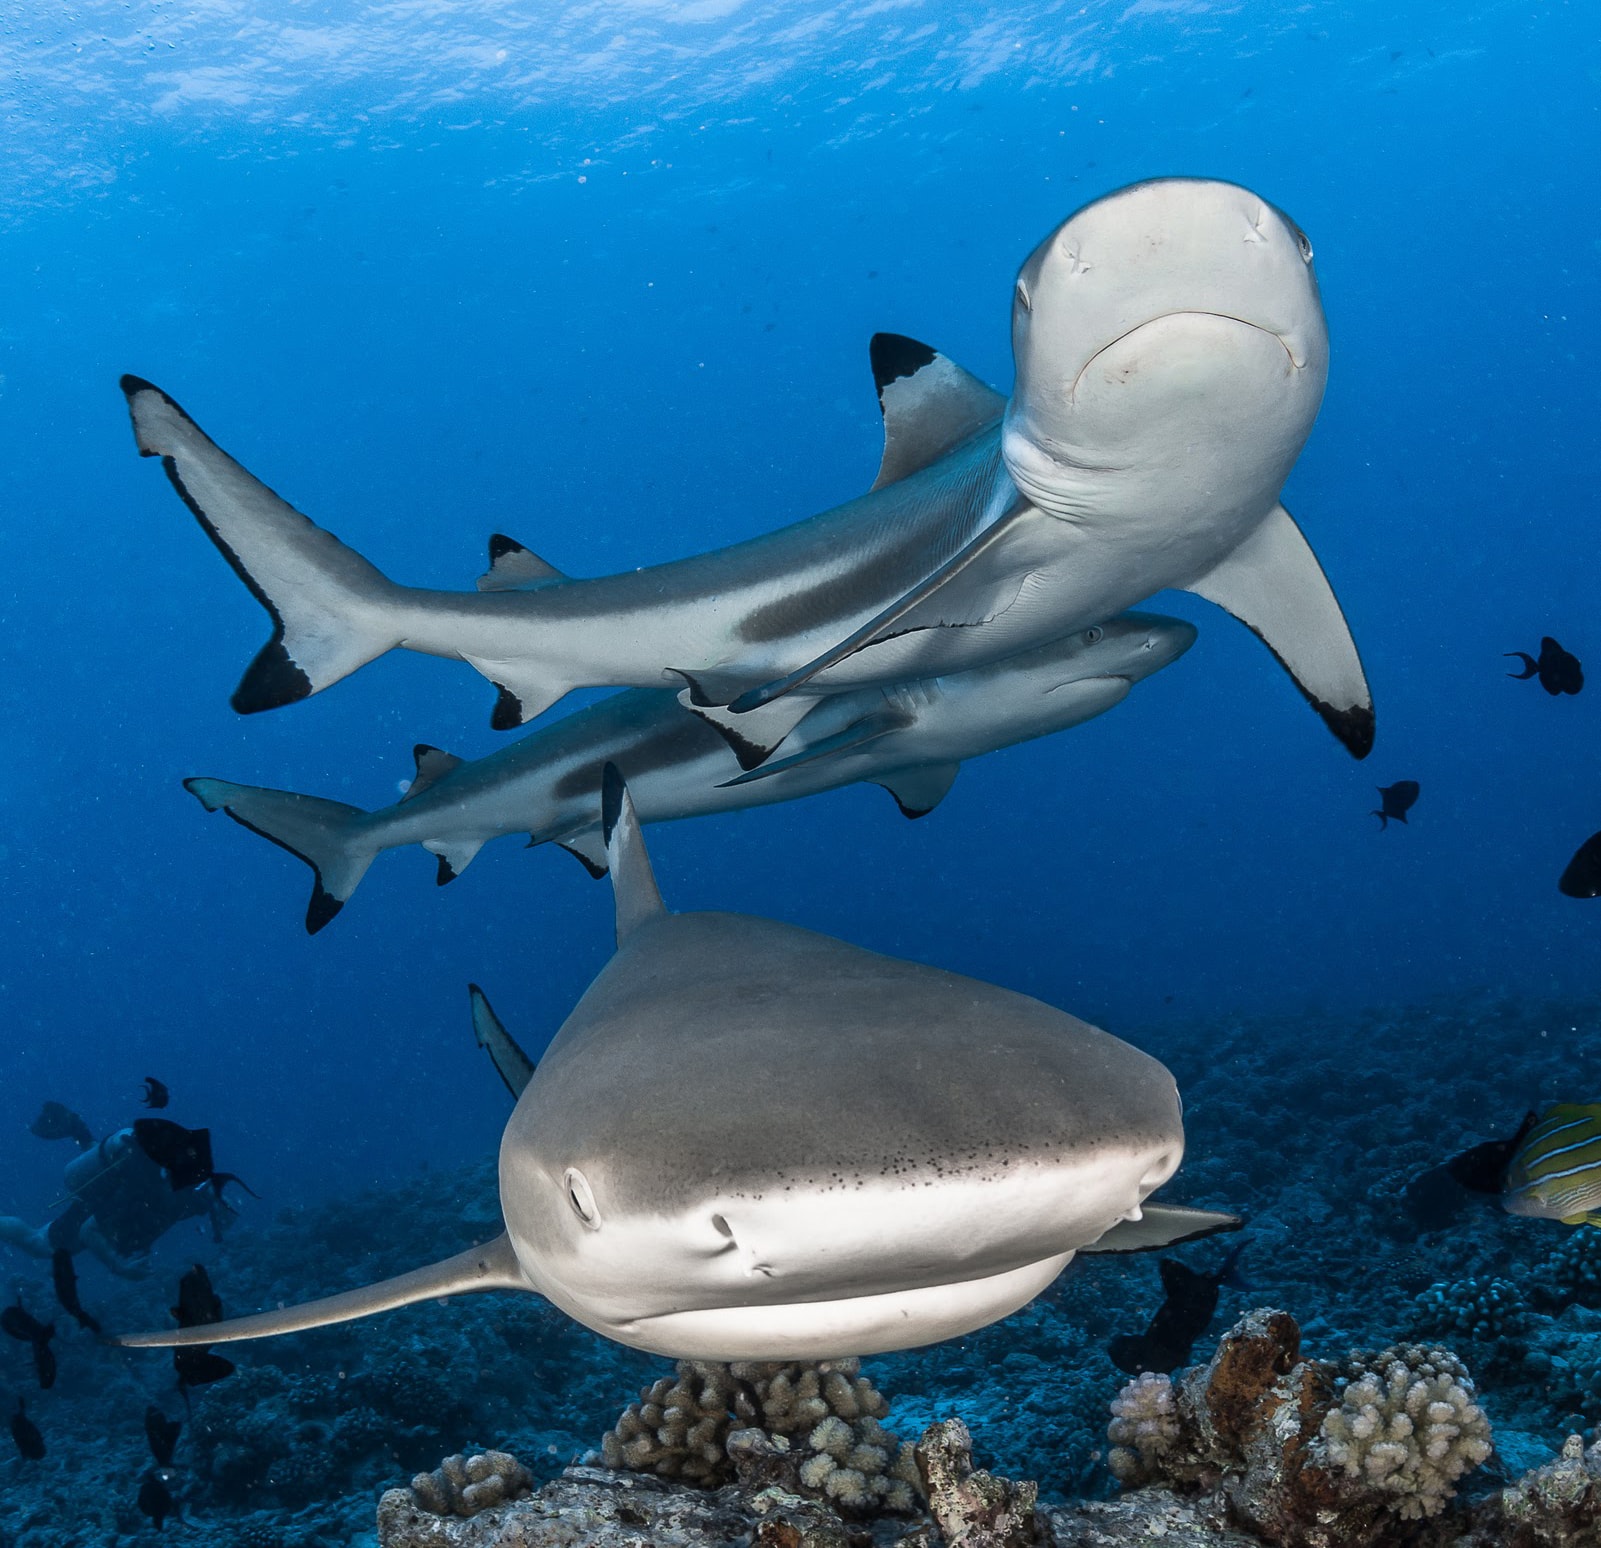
604, 279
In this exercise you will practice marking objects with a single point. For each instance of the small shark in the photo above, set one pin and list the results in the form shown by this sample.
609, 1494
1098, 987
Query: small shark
936, 1151
910, 738
1171, 355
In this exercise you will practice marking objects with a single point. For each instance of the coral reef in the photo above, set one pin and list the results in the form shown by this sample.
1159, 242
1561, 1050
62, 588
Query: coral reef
812, 1427
1144, 1428
973, 1508
463, 1486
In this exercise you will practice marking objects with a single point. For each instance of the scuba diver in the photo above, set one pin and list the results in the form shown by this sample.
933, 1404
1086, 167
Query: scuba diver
125, 1191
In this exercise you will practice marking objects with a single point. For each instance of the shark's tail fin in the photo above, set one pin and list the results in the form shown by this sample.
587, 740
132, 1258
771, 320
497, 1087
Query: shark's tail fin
327, 603
329, 836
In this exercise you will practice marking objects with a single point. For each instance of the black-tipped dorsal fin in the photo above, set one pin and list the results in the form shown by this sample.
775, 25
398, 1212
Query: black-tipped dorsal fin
433, 764
929, 403
515, 568
639, 900
493, 1266
511, 1063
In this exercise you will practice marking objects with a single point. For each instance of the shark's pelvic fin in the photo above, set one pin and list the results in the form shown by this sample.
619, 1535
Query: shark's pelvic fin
639, 900
511, 1063
1163, 1225
858, 734
588, 848
1006, 508
929, 403
515, 568
327, 835
433, 764
918, 791
327, 603
493, 1266
1274, 585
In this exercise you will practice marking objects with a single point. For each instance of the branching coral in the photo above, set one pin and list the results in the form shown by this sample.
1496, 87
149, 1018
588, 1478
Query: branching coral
463, 1486
1144, 1427
1485, 1310
822, 1421
1407, 1424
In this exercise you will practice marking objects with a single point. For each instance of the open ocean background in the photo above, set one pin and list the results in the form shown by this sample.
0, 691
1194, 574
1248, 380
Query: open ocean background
602, 275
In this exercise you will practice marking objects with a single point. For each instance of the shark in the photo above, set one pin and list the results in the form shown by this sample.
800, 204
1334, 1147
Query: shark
911, 738
752, 1141
1171, 355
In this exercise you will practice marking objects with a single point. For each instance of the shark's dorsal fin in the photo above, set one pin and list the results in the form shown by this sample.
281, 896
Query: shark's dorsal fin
918, 791
433, 764
639, 900
493, 1266
511, 1063
929, 403
1274, 585
515, 568
1163, 1225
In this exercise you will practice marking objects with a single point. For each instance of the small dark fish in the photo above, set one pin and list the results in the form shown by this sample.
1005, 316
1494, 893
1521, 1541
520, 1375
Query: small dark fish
198, 1303
184, 1154
1186, 1311
1582, 879
197, 1366
57, 1122
155, 1498
29, 1330
30, 1443
162, 1433
1558, 670
1483, 1168
155, 1092
220, 1180
1435, 1198
1395, 801
65, 1278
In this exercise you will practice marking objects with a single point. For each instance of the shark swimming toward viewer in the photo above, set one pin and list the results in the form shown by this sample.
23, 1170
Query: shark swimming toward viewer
752, 1142
910, 738
1171, 355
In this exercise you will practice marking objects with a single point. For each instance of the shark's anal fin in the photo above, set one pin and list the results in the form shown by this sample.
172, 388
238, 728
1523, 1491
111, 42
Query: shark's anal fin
1274, 585
918, 791
639, 900
454, 856
511, 1063
929, 403
858, 734
587, 848
1163, 1225
990, 530
515, 568
493, 1266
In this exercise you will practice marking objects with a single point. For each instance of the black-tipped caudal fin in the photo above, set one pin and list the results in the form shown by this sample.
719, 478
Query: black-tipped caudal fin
639, 900
1274, 585
329, 606
493, 1266
329, 836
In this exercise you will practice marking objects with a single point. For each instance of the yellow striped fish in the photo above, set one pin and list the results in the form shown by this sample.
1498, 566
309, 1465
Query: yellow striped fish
1556, 1172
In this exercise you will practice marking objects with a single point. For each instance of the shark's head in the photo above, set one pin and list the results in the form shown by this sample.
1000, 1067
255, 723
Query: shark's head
1167, 325
716, 1215
1130, 646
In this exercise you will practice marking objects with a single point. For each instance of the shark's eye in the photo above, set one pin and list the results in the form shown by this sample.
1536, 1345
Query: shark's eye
1094, 634
1305, 243
1022, 297
580, 1197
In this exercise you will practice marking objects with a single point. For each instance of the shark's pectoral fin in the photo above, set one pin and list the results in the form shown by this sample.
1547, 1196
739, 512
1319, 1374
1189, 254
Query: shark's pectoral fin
524, 694
493, 1266
633, 880
857, 734
930, 404
515, 568
753, 737
454, 856
1163, 1225
511, 1063
589, 849
918, 791
1007, 508
433, 764
1274, 585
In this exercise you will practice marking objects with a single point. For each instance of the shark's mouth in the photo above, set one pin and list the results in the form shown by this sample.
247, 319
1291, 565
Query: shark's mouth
1299, 363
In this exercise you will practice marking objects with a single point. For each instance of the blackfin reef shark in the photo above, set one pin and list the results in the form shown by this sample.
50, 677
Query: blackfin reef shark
910, 738
751, 1141
1171, 355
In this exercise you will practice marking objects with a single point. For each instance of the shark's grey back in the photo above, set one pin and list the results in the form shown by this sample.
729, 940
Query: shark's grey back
941, 1075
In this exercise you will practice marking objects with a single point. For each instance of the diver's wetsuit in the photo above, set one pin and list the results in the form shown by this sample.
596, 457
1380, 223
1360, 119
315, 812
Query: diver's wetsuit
121, 1204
